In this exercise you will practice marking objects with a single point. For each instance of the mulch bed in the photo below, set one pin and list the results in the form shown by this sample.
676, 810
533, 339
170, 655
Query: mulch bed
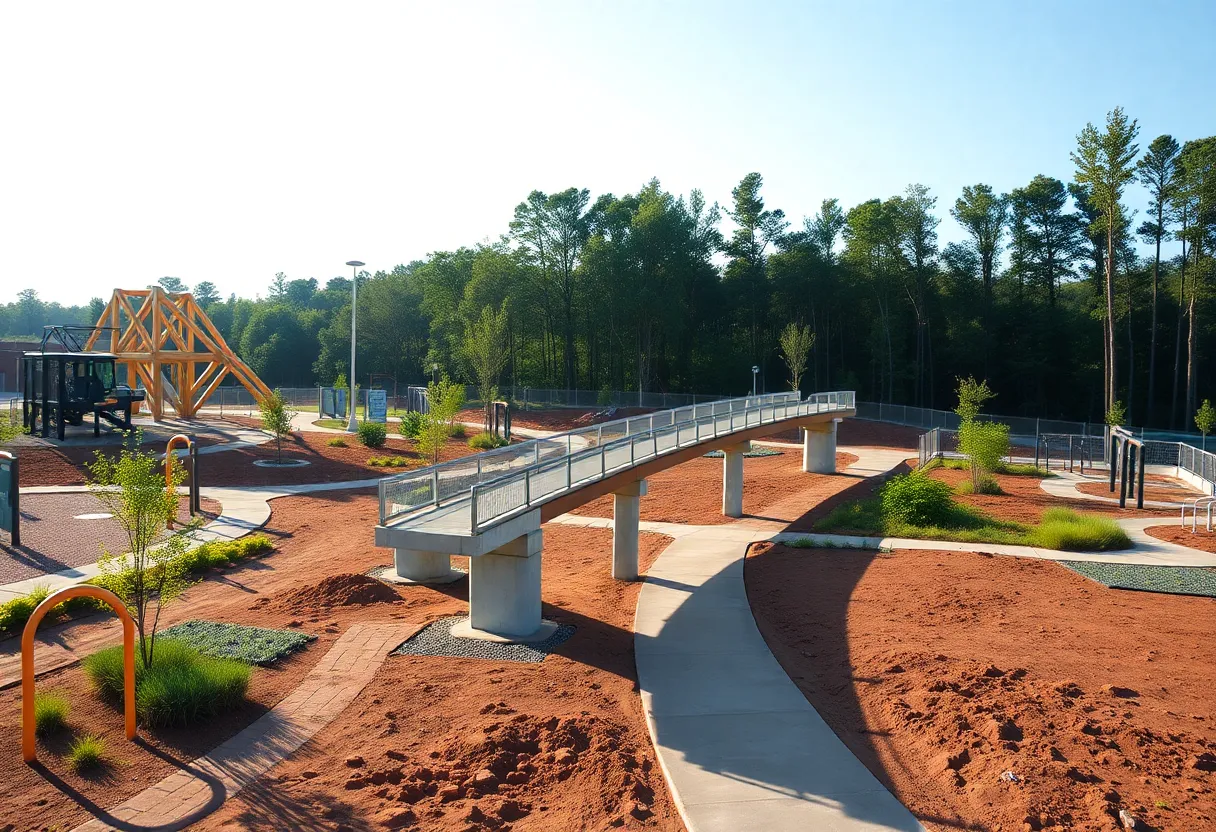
942, 671
1175, 533
865, 433
1161, 492
558, 419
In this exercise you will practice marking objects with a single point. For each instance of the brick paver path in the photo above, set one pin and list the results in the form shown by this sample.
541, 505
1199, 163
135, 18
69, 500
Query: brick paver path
193, 793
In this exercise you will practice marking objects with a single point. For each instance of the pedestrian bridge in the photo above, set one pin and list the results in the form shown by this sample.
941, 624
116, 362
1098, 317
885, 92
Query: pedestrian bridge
490, 506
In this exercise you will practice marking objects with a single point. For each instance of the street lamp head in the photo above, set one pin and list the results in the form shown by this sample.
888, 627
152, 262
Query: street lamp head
434, 368
355, 263
755, 369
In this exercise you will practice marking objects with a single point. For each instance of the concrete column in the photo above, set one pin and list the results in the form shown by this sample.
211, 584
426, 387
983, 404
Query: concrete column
626, 514
732, 479
819, 448
504, 593
416, 567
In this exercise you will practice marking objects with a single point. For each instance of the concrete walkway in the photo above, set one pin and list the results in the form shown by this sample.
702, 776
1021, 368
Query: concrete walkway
1064, 484
200, 788
244, 510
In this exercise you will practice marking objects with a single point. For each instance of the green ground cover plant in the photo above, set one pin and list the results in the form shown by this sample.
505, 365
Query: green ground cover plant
183, 687
337, 442
253, 645
486, 441
410, 425
908, 507
335, 424
388, 462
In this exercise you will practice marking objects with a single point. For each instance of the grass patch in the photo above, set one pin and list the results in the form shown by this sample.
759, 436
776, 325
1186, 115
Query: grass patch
1012, 469
388, 462
87, 754
337, 442
182, 686
1061, 529
50, 713
336, 424
988, 485
486, 441
254, 645
1070, 531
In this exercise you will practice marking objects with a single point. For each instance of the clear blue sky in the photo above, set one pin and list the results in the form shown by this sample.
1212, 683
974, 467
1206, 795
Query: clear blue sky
228, 141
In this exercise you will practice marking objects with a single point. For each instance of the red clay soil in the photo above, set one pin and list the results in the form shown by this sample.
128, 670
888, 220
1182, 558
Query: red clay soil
692, 491
1166, 493
52, 539
1025, 500
942, 671
1202, 539
415, 705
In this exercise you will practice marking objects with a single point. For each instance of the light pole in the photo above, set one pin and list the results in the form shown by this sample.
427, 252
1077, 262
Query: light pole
435, 373
755, 370
351, 424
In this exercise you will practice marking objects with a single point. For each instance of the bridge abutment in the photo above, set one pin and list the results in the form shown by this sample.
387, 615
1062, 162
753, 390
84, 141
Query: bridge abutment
732, 479
413, 566
819, 448
626, 517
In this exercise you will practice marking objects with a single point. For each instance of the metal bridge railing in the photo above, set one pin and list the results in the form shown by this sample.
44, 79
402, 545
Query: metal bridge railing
506, 480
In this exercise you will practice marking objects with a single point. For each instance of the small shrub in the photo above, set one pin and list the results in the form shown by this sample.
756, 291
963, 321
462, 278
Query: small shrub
337, 442
87, 754
14, 613
459, 431
916, 499
181, 687
372, 434
986, 485
1070, 531
985, 444
486, 441
863, 516
411, 424
388, 462
50, 713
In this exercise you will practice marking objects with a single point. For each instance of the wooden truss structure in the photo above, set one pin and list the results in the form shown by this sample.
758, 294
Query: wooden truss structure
167, 343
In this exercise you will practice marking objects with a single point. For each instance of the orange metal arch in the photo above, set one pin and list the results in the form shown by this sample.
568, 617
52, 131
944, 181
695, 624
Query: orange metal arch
28, 745
169, 463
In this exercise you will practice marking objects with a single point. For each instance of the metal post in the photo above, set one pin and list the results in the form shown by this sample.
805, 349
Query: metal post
1123, 478
196, 503
1140, 487
1113, 452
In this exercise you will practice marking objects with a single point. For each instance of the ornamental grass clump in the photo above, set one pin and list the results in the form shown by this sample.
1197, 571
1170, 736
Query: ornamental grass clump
50, 713
1071, 531
182, 688
87, 754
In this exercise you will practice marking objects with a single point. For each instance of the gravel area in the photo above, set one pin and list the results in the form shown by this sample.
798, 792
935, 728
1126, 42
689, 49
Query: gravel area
1173, 580
436, 639
754, 452
255, 645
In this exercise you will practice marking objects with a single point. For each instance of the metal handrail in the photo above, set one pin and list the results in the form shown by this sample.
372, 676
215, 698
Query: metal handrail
1194, 505
567, 457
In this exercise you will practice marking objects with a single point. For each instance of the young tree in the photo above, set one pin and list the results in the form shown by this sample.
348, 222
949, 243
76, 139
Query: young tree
1205, 420
276, 420
1104, 165
983, 443
796, 343
1116, 415
1157, 171
147, 578
485, 350
971, 397
445, 398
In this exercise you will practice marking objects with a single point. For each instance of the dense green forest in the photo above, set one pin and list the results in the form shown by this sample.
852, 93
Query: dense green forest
1047, 298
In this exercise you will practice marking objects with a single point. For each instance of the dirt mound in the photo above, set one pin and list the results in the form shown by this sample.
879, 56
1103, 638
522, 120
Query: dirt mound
489, 782
343, 590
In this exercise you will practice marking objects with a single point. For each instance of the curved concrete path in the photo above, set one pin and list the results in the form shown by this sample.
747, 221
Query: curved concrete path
1064, 484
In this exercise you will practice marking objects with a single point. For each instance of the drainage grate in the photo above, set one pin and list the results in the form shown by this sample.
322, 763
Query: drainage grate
436, 639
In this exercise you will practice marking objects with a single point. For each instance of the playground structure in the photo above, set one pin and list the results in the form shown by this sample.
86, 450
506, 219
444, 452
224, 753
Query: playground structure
29, 748
490, 507
61, 386
169, 346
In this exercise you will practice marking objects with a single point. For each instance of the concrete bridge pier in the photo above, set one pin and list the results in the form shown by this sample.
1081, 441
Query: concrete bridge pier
819, 447
504, 593
732, 479
626, 515
416, 567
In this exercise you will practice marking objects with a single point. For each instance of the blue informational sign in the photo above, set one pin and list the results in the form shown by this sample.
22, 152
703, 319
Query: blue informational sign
340, 407
377, 405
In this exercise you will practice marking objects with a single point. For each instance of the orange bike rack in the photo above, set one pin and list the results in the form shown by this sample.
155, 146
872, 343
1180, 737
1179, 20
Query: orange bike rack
28, 745
169, 463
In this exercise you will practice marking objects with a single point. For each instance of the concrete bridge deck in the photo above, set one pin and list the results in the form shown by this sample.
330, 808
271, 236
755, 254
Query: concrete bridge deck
490, 506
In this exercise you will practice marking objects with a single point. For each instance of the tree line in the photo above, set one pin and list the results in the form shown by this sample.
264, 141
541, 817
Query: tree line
1046, 298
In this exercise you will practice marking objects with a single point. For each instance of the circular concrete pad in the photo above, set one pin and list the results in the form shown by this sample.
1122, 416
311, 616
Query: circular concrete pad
287, 463
464, 629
